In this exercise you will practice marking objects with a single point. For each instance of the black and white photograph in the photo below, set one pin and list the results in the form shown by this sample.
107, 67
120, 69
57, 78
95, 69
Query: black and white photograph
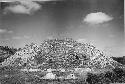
62, 42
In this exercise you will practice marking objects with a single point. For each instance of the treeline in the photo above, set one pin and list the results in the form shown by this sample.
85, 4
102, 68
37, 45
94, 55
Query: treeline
6, 51
120, 59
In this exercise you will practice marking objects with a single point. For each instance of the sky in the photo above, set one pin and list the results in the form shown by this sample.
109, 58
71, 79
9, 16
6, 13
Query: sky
99, 22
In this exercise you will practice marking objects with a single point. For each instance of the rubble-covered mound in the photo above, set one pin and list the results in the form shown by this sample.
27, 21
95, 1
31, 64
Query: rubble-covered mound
69, 61
61, 53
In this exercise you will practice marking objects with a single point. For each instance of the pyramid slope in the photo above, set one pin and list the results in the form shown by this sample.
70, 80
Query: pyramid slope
58, 53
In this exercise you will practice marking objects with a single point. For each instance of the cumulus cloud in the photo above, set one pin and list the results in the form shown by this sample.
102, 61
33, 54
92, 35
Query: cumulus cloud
97, 18
26, 37
5, 31
111, 36
81, 40
20, 37
10, 31
16, 37
23, 7
85, 40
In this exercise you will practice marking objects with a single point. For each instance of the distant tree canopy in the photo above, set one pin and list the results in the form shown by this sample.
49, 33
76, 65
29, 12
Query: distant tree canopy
5, 52
8, 49
120, 59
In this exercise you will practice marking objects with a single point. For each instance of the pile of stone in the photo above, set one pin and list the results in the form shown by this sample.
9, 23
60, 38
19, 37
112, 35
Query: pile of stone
60, 53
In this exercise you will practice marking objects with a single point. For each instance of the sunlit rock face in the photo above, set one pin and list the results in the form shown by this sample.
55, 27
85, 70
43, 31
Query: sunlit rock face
56, 54
49, 76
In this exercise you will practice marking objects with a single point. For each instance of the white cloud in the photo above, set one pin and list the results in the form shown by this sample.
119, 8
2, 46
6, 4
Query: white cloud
5, 31
111, 36
20, 37
26, 37
97, 18
81, 40
16, 37
23, 7
10, 31
85, 40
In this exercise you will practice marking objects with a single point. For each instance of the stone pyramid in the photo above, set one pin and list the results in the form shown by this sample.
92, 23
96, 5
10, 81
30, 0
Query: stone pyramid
61, 53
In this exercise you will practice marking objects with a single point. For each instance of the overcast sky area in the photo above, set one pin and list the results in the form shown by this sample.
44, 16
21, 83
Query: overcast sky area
100, 22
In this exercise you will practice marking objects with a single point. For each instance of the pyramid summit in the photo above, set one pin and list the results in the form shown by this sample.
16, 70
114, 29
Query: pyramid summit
61, 53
